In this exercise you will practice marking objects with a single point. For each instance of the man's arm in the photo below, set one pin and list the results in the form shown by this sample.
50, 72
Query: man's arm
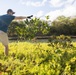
20, 18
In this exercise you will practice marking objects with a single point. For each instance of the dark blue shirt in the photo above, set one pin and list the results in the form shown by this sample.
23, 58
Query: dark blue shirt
5, 21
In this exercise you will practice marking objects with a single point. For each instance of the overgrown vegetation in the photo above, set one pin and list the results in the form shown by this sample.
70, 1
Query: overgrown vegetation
63, 25
30, 28
60, 41
57, 57
38, 59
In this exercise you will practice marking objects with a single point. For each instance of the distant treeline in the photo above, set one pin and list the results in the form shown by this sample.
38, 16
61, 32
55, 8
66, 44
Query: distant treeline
35, 27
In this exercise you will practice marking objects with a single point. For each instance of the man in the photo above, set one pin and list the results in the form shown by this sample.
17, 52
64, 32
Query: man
5, 21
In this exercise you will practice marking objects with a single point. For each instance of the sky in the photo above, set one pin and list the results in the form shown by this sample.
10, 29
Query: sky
39, 8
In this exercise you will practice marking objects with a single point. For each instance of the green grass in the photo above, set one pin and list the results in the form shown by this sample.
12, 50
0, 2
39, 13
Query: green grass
27, 58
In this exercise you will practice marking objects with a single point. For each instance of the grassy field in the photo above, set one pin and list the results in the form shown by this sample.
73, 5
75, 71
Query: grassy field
27, 58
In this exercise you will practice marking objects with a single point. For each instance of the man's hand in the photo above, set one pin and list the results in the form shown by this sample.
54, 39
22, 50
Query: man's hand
29, 16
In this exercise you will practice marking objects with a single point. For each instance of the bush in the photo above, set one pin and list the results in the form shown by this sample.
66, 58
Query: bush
28, 29
37, 59
61, 41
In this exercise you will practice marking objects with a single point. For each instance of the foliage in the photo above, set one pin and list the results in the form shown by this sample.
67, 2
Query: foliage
63, 25
60, 41
12, 29
29, 28
38, 59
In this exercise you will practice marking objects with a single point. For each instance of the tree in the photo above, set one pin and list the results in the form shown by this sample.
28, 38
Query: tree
63, 25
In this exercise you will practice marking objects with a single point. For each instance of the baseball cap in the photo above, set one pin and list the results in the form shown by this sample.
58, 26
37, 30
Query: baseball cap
10, 10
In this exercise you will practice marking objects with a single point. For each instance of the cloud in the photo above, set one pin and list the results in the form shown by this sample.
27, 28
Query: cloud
67, 11
56, 3
61, 7
70, 1
40, 13
36, 4
32, 3
60, 3
54, 14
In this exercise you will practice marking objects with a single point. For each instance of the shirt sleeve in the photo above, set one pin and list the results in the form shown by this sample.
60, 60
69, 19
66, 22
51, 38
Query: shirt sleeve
13, 17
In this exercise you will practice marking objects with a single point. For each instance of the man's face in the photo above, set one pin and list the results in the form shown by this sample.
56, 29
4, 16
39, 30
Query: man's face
10, 13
